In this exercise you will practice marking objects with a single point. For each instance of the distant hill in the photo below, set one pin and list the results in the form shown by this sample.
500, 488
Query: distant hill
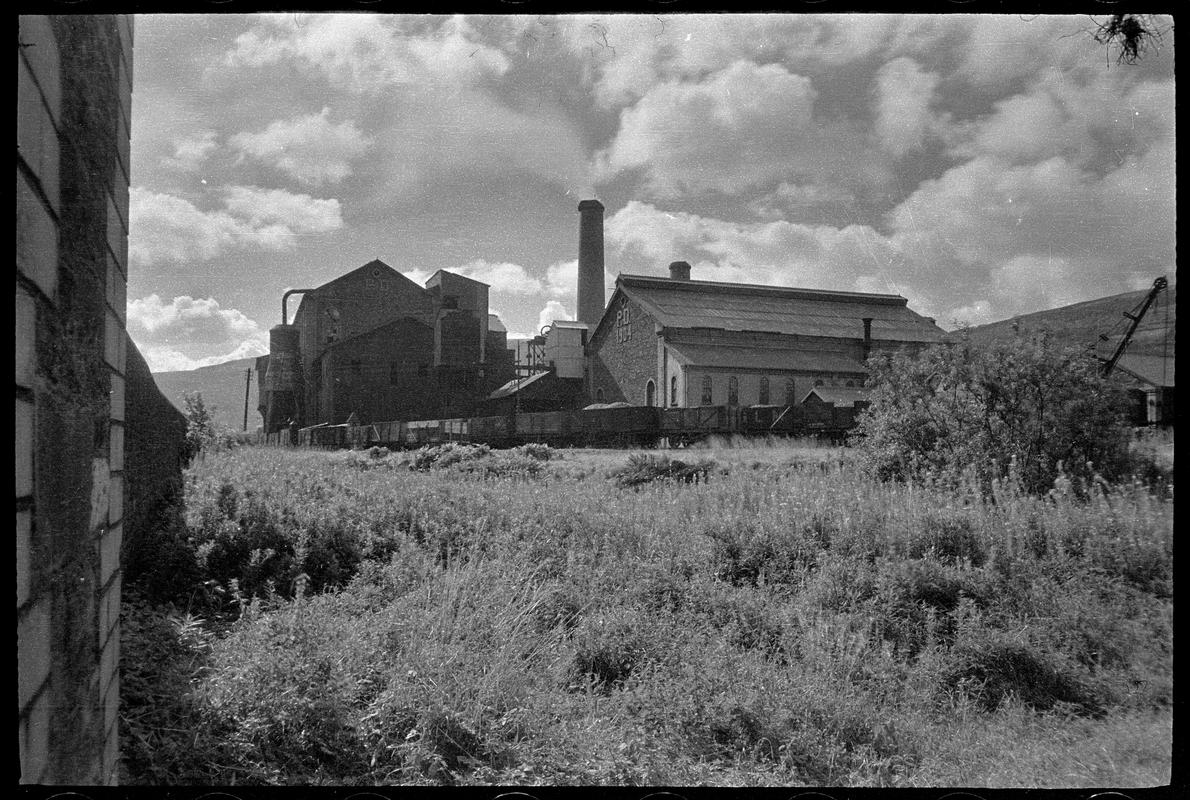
221, 386
1082, 323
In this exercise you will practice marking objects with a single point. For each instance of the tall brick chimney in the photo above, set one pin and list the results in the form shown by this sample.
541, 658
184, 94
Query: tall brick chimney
590, 262
679, 271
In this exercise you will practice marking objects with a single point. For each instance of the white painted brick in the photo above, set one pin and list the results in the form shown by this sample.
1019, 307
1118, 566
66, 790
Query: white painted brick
23, 461
120, 176
111, 703
116, 450
100, 491
37, 139
109, 608
36, 747
37, 239
110, 775
126, 27
117, 236
113, 338
117, 289
33, 651
116, 499
117, 397
26, 335
109, 552
42, 56
24, 545
110, 659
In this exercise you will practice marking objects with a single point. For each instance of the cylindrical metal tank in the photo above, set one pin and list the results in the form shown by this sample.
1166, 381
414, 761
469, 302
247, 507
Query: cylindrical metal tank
282, 385
284, 359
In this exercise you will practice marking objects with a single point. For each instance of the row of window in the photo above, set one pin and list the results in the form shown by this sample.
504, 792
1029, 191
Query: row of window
707, 397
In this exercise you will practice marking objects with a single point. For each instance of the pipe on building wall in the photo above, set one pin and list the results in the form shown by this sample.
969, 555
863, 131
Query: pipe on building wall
867, 348
285, 303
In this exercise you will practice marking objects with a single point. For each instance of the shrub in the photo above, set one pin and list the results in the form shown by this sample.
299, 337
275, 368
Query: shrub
535, 450
608, 650
992, 671
915, 601
1020, 408
642, 469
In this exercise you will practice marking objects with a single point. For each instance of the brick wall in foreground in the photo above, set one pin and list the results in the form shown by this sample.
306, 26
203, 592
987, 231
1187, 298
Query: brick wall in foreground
74, 88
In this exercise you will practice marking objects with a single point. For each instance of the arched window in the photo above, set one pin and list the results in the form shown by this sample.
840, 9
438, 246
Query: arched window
673, 390
764, 390
706, 391
733, 391
850, 384
790, 392
650, 394
599, 395
818, 382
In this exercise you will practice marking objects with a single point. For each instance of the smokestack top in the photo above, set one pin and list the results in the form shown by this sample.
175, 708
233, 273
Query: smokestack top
590, 262
679, 271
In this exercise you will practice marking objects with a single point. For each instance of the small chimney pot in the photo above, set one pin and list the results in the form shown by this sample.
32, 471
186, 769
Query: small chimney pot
679, 271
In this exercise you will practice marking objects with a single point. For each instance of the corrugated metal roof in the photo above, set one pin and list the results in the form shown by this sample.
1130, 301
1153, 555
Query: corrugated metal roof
839, 395
775, 309
515, 385
764, 358
1155, 370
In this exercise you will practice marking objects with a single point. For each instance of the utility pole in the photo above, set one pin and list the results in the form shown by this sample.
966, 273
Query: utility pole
247, 383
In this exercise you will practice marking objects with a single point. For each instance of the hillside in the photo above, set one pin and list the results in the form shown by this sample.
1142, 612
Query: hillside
222, 388
1082, 323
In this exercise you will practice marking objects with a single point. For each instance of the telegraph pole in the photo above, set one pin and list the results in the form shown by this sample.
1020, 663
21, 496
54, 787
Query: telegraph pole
247, 383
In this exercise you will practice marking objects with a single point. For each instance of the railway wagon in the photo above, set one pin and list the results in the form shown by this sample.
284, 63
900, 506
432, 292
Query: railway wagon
324, 436
419, 432
620, 425
551, 427
495, 431
685, 425
387, 434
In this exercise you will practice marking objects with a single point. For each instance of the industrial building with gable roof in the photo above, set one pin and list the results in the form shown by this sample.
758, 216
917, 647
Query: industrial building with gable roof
679, 342
375, 345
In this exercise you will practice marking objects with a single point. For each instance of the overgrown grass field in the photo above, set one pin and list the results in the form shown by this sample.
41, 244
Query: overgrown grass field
755, 615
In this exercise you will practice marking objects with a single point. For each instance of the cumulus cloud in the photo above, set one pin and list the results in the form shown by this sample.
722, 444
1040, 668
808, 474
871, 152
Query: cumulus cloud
627, 55
1094, 120
172, 335
553, 310
904, 93
309, 148
299, 213
191, 152
503, 277
368, 53
739, 128
772, 252
164, 227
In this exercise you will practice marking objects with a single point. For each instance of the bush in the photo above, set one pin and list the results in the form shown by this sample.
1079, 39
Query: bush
642, 469
990, 672
1021, 409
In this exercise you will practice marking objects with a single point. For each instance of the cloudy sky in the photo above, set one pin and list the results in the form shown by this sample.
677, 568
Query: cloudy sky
982, 166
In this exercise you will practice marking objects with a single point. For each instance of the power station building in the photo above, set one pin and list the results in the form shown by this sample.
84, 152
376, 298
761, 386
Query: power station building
372, 345
679, 342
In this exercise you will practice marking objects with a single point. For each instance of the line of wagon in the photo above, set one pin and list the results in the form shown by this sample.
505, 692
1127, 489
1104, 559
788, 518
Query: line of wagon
614, 425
